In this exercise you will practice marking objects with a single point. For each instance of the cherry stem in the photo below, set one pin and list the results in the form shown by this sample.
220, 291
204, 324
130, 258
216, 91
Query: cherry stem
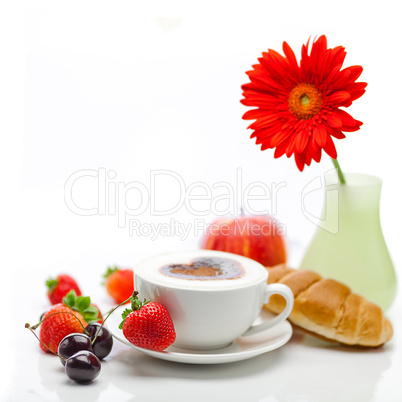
59, 312
135, 293
36, 336
339, 171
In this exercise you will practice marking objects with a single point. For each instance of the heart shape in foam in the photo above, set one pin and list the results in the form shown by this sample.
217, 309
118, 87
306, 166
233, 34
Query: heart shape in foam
205, 268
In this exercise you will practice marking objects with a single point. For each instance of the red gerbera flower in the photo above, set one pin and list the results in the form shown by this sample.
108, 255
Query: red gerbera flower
298, 105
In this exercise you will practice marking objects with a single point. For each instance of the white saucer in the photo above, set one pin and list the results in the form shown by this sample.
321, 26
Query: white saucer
241, 348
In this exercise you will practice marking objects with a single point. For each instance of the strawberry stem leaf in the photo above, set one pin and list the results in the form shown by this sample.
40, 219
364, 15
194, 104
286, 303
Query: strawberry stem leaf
91, 314
136, 303
109, 272
51, 283
82, 304
124, 315
70, 298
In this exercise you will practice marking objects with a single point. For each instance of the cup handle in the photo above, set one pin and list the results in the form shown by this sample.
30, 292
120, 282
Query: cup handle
275, 288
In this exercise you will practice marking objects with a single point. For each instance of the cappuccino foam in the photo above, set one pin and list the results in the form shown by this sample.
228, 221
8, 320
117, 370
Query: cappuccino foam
201, 269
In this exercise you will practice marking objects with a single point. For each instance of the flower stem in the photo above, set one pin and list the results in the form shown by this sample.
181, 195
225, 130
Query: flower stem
339, 170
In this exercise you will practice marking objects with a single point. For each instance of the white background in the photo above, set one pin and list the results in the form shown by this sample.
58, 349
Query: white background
133, 87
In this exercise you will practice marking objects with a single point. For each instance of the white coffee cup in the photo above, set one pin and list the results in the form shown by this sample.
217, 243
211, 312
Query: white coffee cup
210, 314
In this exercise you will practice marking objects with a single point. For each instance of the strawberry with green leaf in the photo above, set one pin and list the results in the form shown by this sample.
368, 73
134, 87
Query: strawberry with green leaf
119, 283
62, 319
59, 287
148, 325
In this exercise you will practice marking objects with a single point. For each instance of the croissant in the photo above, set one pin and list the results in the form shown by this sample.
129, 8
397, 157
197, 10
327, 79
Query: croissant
326, 308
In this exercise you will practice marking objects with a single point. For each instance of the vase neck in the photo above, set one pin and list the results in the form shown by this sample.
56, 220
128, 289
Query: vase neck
361, 193
356, 203
359, 198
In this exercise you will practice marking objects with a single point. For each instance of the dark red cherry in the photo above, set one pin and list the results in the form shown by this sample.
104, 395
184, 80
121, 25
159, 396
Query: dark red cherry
103, 339
73, 343
83, 367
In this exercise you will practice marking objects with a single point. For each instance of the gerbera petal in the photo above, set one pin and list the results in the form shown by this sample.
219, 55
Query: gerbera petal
318, 48
320, 135
336, 133
273, 68
304, 53
300, 160
280, 149
262, 102
266, 132
338, 79
346, 118
352, 128
252, 114
265, 145
261, 82
264, 121
344, 78
261, 99
259, 85
308, 158
258, 95
330, 149
337, 57
356, 86
356, 90
291, 146
271, 141
353, 96
334, 121
337, 97
330, 64
315, 151
301, 141
355, 72
279, 137
313, 144
292, 60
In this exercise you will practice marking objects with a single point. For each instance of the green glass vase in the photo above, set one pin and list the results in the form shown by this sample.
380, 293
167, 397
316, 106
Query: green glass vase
349, 245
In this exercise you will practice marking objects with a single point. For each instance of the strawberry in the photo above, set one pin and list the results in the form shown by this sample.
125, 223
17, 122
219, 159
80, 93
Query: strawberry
73, 315
148, 325
60, 286
57, 323
119, 283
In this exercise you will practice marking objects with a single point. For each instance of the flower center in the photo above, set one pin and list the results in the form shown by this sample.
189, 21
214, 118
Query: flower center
305, 101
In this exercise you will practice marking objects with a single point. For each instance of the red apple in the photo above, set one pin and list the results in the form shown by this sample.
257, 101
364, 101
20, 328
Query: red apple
259, 237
